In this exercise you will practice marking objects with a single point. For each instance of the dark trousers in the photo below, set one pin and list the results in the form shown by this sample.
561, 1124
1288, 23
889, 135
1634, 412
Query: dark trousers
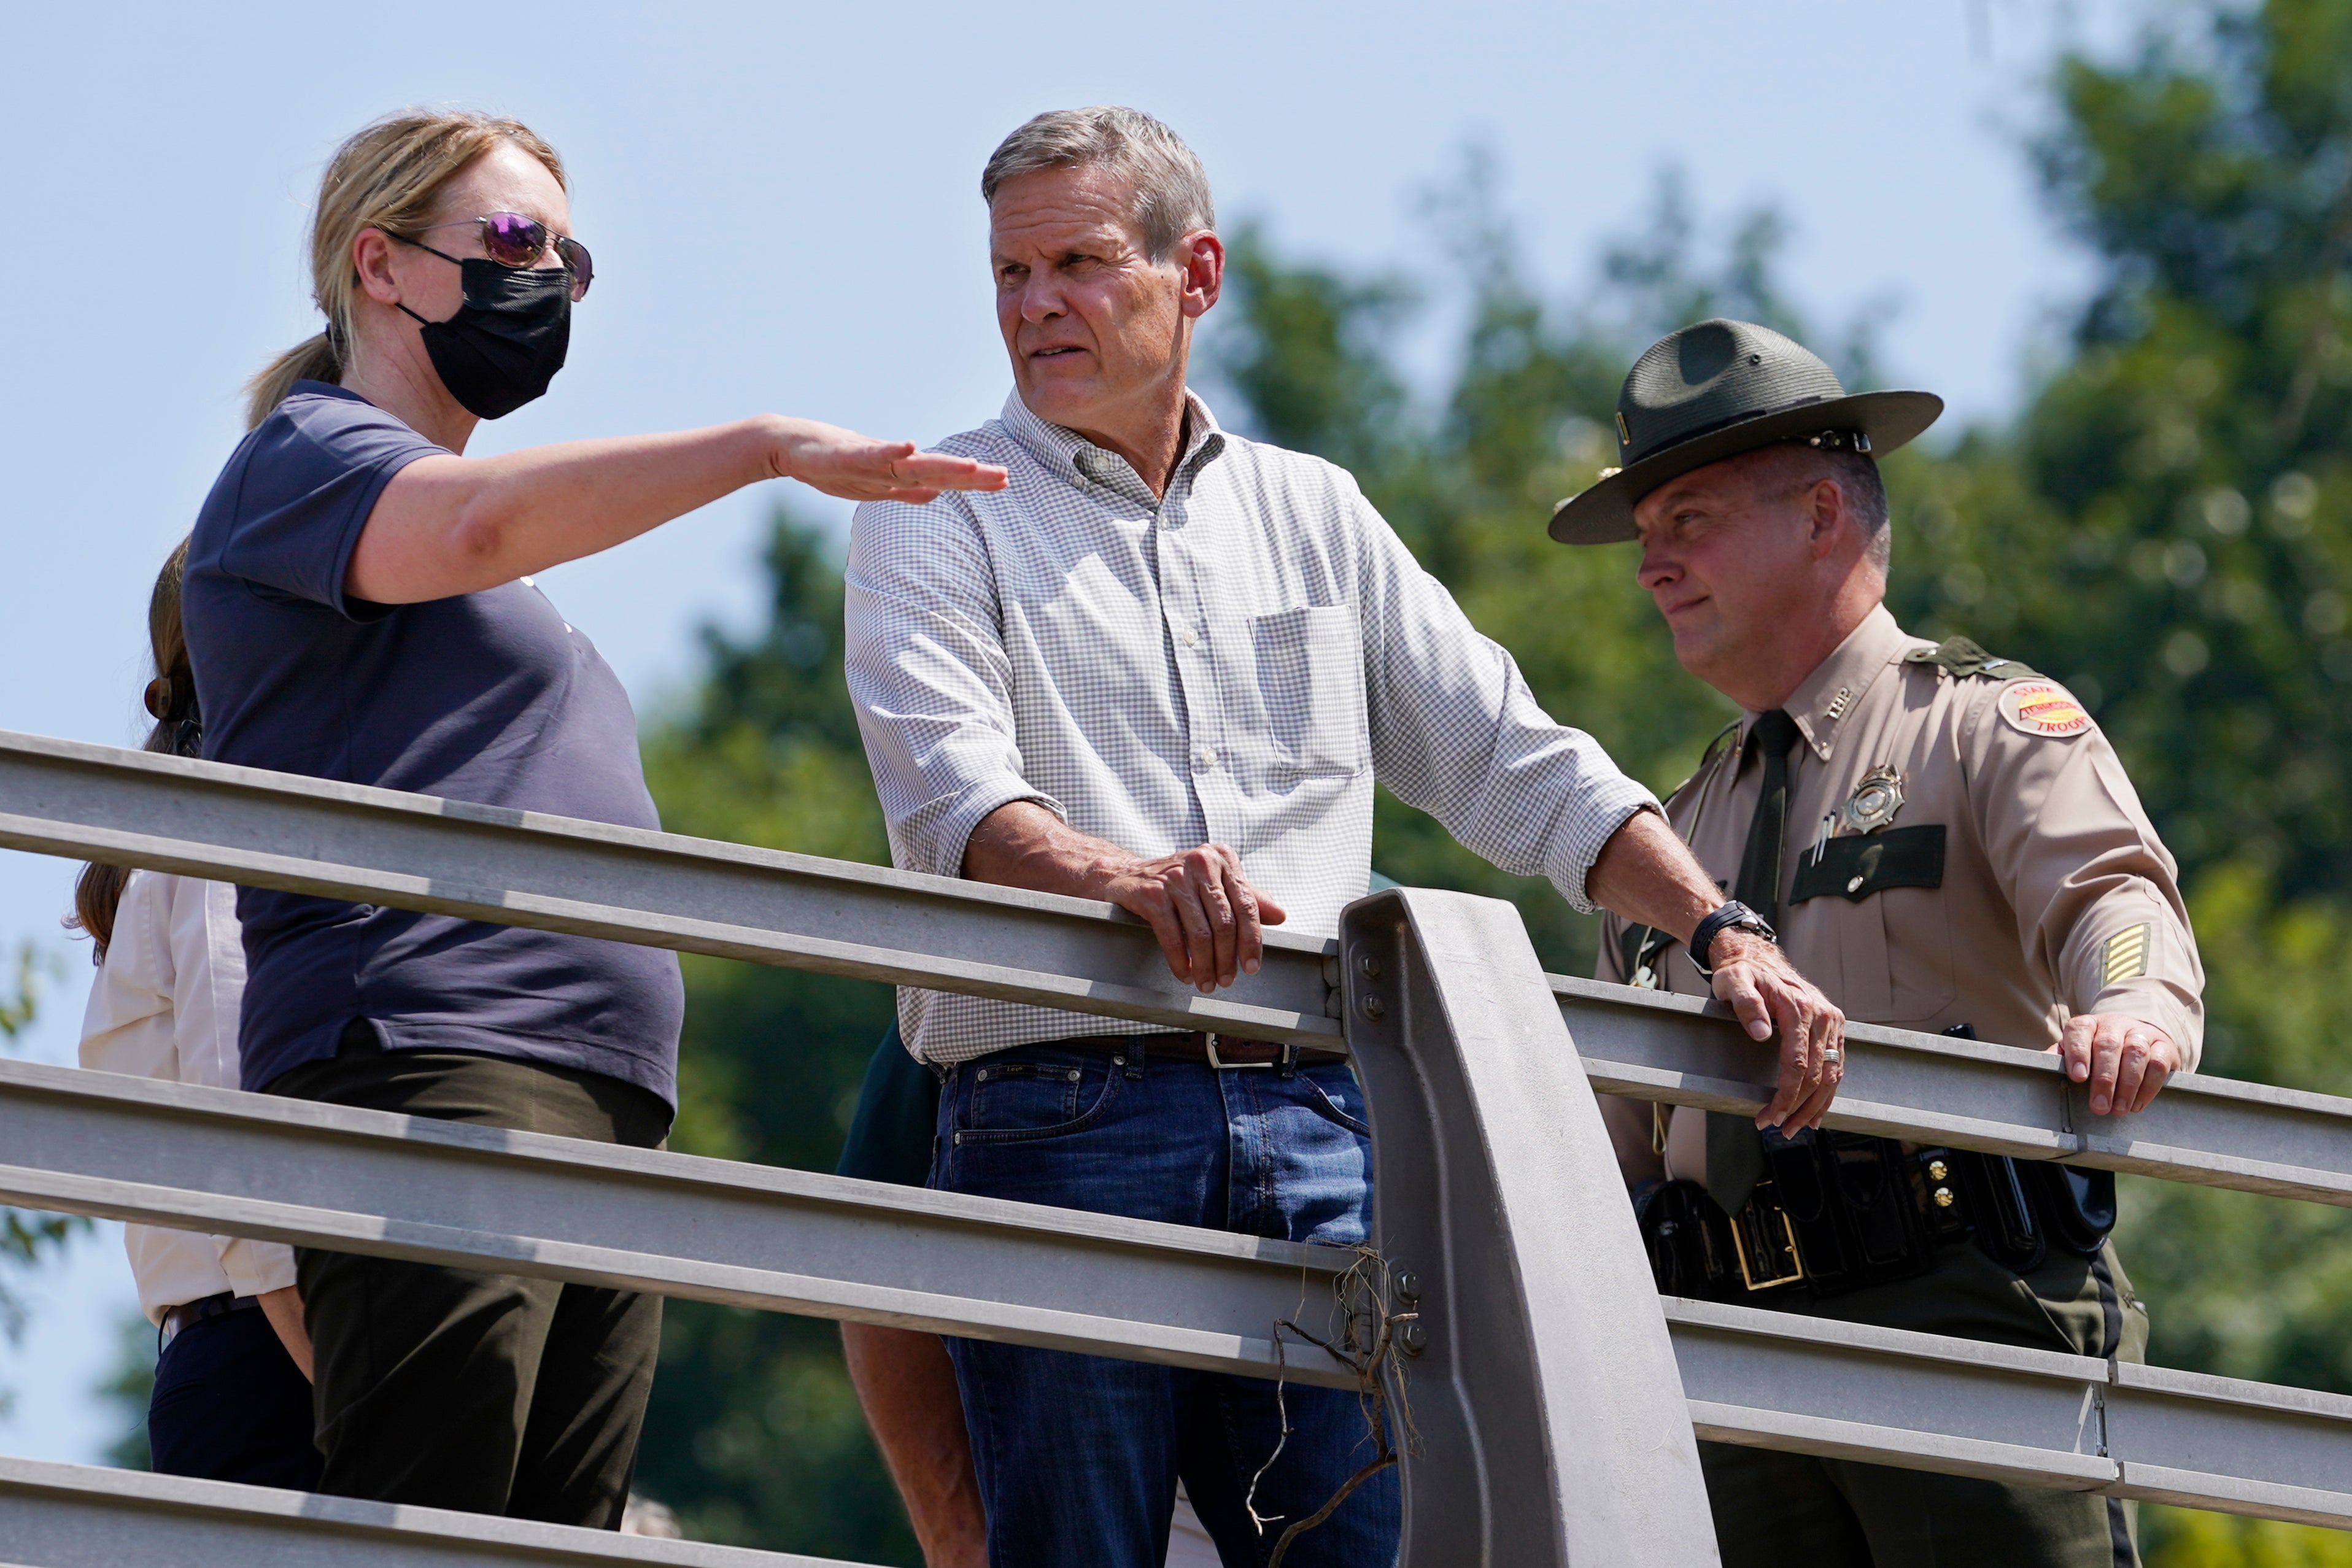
1774, 1509
453, 1388
231, 1405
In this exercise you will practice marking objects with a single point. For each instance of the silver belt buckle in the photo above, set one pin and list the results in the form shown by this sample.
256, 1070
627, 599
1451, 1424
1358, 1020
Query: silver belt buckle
1217, 1066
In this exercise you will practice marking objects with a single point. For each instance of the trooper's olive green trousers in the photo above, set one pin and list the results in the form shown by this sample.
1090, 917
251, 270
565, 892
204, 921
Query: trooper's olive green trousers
488, 1393
1791, 1511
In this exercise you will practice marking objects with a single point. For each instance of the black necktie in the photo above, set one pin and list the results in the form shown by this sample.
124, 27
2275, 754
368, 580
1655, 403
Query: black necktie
1773, 734
1735, 1154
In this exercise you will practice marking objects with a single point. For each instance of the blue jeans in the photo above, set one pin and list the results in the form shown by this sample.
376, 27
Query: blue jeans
1078, 1455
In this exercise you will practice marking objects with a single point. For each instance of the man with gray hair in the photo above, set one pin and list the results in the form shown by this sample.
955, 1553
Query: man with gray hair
1163, 668
1946, 836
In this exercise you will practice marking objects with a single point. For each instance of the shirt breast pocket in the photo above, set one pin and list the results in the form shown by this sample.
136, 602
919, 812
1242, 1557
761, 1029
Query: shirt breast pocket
1310, 676
1893, 933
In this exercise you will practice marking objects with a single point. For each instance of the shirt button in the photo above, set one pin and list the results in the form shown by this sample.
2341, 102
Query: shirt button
1189, 638
1205, 758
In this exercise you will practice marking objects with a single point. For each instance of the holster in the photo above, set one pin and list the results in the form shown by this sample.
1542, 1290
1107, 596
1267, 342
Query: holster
2079, 1205
1849, 1203
1838, 1212
1689, 1238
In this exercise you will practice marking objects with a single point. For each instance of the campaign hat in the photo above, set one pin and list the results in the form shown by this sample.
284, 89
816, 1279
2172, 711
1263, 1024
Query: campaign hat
1715, 390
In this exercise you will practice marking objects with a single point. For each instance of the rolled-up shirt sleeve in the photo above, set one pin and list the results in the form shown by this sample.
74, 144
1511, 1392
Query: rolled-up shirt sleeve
928, 677
1456, 733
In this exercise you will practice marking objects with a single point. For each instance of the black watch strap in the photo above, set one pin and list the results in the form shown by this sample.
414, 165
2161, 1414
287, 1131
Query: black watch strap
1733, 916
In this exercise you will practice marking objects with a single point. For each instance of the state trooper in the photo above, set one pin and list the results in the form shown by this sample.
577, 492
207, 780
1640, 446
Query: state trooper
1946, 842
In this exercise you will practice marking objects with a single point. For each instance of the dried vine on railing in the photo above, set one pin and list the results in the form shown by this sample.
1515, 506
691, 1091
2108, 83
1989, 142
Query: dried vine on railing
1362, 1338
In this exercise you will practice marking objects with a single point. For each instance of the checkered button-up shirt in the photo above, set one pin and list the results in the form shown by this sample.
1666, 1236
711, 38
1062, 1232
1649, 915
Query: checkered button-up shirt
1233, 662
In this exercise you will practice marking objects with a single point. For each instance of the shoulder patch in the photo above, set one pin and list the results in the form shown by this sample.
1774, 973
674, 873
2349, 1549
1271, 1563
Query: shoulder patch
2044, 707
1964, 658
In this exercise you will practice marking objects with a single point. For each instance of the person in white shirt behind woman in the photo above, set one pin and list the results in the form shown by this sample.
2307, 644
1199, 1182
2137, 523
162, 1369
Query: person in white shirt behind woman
232, 1398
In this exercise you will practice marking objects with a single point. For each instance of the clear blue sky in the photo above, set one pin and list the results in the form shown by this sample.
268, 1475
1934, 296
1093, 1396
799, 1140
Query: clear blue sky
782, 203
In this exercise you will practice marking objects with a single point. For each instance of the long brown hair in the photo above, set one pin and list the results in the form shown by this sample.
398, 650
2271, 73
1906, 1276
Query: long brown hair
386, 177
178, 731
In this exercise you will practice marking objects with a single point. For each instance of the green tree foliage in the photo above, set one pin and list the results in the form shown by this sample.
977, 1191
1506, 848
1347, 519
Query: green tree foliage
2170, 523
754, 1435
129, 1388
25, 1234
2169, 528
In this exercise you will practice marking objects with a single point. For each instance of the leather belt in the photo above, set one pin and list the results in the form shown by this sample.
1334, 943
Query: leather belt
1218, 1050
189, 1313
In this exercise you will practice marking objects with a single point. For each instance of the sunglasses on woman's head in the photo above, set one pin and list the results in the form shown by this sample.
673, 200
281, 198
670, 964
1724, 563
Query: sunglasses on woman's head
513, 240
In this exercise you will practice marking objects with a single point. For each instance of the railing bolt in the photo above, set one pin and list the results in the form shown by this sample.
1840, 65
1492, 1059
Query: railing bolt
1411, 1338
1408, 1288
1368, 965
1373, 1006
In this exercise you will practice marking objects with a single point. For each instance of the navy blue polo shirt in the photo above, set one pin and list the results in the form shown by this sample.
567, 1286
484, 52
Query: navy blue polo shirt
489, 697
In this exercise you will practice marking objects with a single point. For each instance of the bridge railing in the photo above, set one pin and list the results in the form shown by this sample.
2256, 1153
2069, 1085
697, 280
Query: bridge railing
1556, 1397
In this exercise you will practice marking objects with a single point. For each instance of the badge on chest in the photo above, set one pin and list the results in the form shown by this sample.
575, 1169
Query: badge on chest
1861, 853
1874, 802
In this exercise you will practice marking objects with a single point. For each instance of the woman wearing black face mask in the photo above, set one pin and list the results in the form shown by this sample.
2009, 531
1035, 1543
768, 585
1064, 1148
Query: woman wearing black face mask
358, 608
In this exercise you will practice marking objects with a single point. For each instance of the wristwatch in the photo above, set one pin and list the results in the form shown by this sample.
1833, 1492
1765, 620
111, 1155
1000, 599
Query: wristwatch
1733, 916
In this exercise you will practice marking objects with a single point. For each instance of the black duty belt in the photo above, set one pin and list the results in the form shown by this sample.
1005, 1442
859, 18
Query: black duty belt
1219, 1051
1838, 1212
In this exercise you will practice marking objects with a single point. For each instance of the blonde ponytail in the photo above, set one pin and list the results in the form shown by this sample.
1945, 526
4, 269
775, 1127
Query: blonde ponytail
387, 177
313, 359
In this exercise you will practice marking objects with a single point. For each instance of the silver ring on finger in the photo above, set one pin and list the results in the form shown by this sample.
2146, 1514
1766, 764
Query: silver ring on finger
1832, 1056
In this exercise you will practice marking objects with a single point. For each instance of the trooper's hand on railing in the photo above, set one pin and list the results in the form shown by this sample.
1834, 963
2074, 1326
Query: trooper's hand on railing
1755, 980
2124, 1061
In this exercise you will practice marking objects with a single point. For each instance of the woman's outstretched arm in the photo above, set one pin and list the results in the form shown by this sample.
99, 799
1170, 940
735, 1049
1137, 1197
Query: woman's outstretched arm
446, 524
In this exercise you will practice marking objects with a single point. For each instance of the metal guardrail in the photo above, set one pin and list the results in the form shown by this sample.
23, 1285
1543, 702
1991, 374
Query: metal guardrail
2035, 1418
1528, 1403
418, 851
2214, 1131
714, 1231
76, 1516
1556, 1397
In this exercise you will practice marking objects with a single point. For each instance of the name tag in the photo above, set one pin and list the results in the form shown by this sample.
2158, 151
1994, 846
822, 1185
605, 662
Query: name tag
1859, 864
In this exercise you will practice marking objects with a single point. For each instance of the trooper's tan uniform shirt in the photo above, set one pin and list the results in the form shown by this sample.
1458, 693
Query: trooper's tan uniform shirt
2045, 894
